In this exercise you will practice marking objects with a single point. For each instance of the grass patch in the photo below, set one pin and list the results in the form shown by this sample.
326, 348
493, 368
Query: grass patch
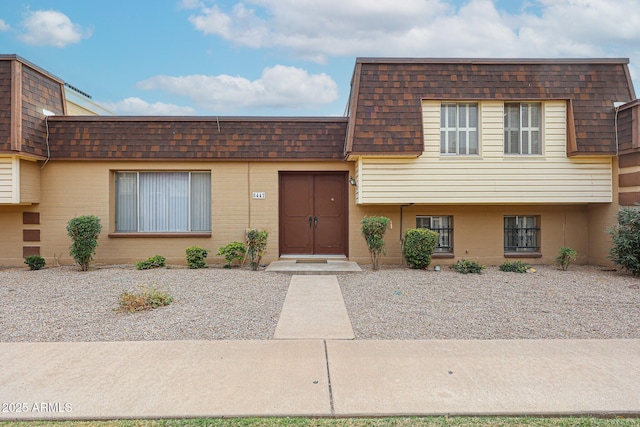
148, 298
347, 422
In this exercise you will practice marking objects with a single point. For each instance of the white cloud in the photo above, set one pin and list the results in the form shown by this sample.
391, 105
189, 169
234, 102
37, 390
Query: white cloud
316, 29
190, 4
4, 26
51, 28
278, 87
139, 107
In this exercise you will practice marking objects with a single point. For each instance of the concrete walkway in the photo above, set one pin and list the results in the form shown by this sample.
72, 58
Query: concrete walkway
314, 309
323, 376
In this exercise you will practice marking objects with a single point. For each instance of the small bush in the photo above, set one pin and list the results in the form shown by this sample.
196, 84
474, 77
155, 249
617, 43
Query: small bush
155, 261
625, 236
84, 231
256, 246
196, 256
419, 244
465, 266
148, 298
233, 251
373, 229
565, 256
35, 262
514, 266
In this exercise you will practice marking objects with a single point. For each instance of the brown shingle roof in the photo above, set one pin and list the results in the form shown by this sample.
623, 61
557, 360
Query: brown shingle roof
386, 94
196, 138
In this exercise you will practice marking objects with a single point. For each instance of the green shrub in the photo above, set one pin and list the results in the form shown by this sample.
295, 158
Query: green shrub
256, 246
233, 251
625, 236
196, 256
419, 244
84, 231
465, 266
153, 262
565, 256
147, 298
373, 229
35, 262
514, 266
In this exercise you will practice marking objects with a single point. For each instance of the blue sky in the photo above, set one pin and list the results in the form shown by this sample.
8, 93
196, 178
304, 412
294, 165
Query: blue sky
288, 57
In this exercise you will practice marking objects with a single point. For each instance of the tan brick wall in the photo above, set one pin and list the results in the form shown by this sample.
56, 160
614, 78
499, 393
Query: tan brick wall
11, 232
86, 188
29, 181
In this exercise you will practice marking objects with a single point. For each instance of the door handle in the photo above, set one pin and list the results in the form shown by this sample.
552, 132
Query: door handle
315, 221
310, 220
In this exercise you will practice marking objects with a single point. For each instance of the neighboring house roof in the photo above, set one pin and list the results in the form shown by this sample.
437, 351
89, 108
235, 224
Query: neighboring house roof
197, 138
386, 93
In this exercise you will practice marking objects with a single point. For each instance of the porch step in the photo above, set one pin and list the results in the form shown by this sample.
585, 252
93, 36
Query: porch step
306, 266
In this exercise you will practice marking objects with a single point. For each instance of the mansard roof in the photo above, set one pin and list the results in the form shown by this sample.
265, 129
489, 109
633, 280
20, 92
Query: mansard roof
386, 95
197, 138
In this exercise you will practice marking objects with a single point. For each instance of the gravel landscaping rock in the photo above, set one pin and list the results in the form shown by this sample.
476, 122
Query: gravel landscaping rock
65, 304
583, 302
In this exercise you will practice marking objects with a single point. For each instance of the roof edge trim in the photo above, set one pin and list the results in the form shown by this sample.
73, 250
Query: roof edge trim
528, 61
14, 57
313, 119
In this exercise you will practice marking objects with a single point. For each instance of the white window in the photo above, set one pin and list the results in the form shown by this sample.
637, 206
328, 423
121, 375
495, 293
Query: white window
443, 225
163, 201
522, 123
521, 234
459, 128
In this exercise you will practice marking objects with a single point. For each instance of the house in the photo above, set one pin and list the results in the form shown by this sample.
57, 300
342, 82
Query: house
505, 158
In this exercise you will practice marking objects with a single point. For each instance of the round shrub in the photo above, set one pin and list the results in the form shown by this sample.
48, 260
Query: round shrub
155, 261
233, 251
196, 256
35, 262
419, 244
625, 236
514, 266
466, 266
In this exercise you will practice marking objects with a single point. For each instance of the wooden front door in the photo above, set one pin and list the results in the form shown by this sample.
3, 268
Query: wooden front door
313, 213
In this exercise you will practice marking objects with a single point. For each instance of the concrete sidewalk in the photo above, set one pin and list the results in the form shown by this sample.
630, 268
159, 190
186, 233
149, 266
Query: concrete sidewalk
152, 379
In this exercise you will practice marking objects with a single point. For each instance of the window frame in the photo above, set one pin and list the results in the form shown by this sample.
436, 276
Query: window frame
446, 237
188, 213
447, 128
524, 126
527, 229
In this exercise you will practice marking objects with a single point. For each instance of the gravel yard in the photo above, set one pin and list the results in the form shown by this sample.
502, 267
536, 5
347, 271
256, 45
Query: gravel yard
64, 304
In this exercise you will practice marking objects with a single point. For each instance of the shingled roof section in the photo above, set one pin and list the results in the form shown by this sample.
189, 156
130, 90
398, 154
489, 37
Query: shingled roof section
196, 138
386, 95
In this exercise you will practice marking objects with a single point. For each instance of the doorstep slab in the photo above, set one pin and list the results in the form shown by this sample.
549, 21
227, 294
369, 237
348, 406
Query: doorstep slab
501, 377
314, 309
313, 268
157, 379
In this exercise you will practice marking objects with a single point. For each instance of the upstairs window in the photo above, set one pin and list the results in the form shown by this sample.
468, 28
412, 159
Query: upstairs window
522, 123
443, 225
163, 202
521, 234
459, 128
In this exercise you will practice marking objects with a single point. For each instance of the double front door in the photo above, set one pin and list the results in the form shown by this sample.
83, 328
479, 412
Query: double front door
313, 213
